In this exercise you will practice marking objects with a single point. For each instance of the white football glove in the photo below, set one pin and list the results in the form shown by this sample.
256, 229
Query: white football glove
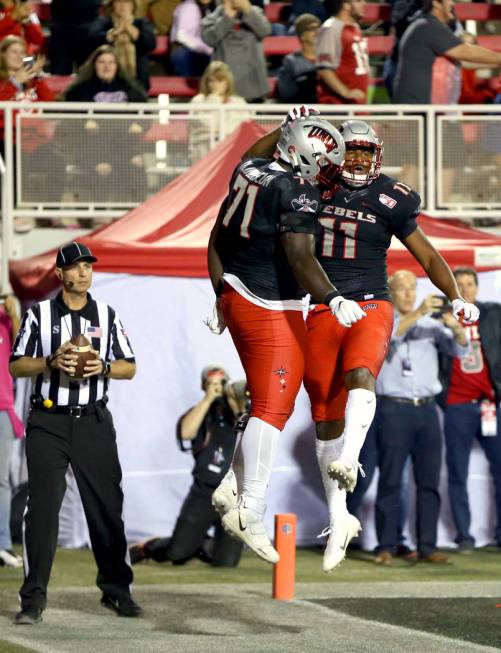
464, 312
298, 113
346, 311
216, 322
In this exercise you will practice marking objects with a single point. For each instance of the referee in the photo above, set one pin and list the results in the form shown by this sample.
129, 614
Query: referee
69, 423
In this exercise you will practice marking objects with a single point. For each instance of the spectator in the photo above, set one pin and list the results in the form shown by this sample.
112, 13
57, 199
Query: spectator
113, 164
407, 415
160, 13
19, 19
342, 56
217, 86
235, 31
23, 81
70, 30
207, 430
102, 79
402, 13
131, 37
10, 425
297, 76
424, 40
189, 54
474, 389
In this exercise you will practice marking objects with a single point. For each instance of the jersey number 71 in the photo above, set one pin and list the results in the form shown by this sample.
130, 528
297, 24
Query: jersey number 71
242, 188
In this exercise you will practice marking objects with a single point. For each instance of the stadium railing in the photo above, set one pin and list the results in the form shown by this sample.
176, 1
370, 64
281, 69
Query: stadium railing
96, 161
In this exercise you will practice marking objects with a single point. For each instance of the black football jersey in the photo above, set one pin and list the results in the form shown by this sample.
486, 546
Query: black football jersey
357, 227
262, 199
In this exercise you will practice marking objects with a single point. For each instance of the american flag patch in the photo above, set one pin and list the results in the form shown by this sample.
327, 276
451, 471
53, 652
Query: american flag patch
95, 331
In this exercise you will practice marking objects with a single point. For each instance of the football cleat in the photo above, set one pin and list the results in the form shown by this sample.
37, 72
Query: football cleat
345, 473
340, 535
247, 526
224, 497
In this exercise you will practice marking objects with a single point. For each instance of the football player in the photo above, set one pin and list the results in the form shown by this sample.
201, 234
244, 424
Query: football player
261, 261
361, 212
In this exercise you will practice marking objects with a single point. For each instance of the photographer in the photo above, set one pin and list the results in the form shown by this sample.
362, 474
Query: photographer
407, 415
209, 427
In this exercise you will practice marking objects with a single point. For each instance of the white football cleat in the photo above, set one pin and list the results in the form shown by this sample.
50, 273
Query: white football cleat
10, 559
224, 497
345, 473
247, 526
340, 535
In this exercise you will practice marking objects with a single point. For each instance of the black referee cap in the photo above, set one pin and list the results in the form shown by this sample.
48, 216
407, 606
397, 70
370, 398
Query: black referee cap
72, 253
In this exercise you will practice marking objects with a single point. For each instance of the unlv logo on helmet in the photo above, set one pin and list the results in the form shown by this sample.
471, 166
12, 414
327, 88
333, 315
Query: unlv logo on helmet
326, 138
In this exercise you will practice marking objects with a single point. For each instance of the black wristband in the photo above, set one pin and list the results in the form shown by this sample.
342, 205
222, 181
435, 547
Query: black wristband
48, 361
106, 370
330, 296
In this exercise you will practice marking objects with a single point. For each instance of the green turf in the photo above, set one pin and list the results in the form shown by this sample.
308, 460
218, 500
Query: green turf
76, 568
474, 620
7, 647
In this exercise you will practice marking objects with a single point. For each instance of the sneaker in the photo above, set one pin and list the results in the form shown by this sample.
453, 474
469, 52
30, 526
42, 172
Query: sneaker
345, 473
9, 558
465, 547
384, 558
405, 553
224, 497
124, 606
246, 525
340, 534
28, 617
435, 558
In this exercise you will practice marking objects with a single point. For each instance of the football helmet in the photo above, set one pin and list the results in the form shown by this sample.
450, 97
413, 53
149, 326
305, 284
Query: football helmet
359, 134
314, 148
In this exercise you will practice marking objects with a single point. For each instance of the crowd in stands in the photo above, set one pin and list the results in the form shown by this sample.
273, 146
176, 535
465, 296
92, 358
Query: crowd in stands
314, 49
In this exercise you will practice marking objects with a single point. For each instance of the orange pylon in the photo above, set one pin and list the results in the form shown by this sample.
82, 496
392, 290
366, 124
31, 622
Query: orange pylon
284, 572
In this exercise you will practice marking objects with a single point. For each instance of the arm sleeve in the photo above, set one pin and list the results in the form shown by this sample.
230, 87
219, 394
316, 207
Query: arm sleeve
146, 40
258, 22
329, 46
404, 216
446, 344
299, 207
215, 26
120, 345
440, 38
286, 83
28, 339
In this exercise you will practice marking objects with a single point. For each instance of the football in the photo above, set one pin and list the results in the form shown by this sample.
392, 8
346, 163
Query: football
83, 349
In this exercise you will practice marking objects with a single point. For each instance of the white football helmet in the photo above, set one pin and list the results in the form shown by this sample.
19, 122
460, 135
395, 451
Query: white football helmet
314, 148
359, 134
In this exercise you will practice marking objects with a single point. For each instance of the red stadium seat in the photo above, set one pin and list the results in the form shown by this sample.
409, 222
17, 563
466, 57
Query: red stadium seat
274, 9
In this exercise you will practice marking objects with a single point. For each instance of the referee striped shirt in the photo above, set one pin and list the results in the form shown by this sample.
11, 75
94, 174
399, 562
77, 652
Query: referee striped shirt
50, 323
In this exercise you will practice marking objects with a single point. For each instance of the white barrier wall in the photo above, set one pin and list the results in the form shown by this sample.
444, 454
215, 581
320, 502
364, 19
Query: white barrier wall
163, 317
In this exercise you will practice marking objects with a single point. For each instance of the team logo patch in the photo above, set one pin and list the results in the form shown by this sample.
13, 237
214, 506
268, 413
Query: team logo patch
304, 204
281, 372
387, 201
369, 307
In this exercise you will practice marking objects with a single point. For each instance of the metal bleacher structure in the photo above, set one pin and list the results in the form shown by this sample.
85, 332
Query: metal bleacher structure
53, 151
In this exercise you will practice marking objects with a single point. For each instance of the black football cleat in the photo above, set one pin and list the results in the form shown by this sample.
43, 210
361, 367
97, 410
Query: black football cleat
124, 606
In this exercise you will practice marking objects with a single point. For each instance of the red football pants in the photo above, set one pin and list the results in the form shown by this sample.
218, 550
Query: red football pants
271, 345
333, 350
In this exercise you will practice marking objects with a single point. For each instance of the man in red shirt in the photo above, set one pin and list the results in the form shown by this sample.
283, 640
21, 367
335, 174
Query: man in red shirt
343, 56
473, 394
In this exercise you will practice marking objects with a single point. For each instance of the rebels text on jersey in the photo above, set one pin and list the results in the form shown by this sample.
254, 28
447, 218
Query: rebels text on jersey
357, 227
264, 201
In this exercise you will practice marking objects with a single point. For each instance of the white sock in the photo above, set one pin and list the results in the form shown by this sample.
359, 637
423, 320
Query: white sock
259, 449
327, 451
359, 413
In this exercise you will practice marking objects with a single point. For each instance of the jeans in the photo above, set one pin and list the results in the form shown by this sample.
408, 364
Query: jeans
461, 426
6, 442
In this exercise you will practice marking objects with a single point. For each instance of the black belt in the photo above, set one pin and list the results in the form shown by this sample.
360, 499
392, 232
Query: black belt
416, 401
75, 411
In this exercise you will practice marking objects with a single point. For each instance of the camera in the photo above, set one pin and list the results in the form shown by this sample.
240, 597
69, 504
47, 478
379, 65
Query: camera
445, 308
28, 62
